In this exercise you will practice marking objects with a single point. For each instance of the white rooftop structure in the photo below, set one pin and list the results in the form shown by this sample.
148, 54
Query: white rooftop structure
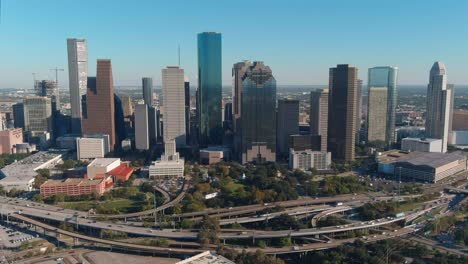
207, 258
101, 166
20, 175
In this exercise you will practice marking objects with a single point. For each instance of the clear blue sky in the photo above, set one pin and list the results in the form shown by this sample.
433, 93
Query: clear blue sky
299, 39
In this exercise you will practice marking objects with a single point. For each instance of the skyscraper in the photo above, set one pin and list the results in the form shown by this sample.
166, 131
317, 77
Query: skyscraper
147, 84
49, 88
173, 88
258, 122
238, 72
100, 117
119, 121
377, 113
287, 124
18, 115
141, 127
187, 110
358, 110
382, 100
77, 76
342, 112
439, 105
209, 88
319, 116
37, 114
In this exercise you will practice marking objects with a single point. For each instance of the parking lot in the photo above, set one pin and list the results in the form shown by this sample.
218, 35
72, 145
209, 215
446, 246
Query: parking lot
12, 238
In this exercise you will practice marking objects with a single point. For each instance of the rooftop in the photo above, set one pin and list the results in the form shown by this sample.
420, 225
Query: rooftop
25, 169
206, 258
423, 140
103, 162
72, 181
431, 159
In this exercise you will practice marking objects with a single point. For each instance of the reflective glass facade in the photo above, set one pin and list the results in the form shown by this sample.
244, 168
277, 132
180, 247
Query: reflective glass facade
209, 88
386, 77
258, 122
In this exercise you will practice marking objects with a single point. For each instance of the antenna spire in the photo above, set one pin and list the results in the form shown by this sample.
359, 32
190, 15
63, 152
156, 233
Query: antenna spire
179, 54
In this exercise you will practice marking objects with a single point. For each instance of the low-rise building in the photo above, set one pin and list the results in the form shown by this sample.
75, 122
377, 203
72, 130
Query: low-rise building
101, 166
74, 186
423, 166
421, 144
214, 154
66, 142
21, 174
169, 166
9, 138
308, 159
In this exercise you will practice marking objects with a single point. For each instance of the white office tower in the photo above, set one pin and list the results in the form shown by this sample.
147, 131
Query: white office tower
78, 79
169, 166
439, 105
141, 127
90, 148
173, 89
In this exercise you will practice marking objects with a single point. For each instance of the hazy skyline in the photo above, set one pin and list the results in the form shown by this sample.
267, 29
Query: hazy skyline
301, 40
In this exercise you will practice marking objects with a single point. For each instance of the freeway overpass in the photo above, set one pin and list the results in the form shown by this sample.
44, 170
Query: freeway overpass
322, 214
112, 243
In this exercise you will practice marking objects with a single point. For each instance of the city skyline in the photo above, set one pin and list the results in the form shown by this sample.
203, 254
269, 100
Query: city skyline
312, 46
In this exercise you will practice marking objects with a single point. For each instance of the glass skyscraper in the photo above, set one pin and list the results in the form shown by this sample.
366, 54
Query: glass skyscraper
209, 88
258, 122
382, 94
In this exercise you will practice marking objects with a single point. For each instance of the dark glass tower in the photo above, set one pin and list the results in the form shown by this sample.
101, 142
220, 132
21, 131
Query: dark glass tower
258, 122
120, 132
209, 88
342, 112
147, 84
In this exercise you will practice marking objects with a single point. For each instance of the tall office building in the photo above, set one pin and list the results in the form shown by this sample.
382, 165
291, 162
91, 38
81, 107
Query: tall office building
342, 112
377, 114
187, 110
147, 84
382, 100
209, 88
77, 77
287, 124
37, 114
358, 110
173, 88
141, 127
49, 88
18, 115
439, 105
238, 72
153, 124
100, 112
319, 116
258, 122
127, 106
119, 121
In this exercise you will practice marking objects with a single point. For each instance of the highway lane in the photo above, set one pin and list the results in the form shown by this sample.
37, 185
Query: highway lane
113, 243
333, 243
322, 214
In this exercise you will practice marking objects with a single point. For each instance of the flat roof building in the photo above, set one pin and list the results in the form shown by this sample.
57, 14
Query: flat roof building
308, 159
90, 148
421, 144
73, 186
21, 174
422, 166
101, 166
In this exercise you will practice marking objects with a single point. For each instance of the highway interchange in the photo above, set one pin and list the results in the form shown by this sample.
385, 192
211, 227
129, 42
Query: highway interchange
25, 211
